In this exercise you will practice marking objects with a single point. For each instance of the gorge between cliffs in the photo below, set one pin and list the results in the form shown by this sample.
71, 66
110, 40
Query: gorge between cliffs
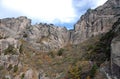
44, 51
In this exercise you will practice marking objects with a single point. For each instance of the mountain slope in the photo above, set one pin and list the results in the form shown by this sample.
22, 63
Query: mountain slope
49, 37
44, 51
96, 21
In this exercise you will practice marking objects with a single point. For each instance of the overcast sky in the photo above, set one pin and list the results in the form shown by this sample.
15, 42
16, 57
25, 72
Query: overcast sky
58, 12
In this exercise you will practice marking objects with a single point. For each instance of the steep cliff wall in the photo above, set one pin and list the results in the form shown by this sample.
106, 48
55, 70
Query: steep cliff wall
41, 36
115, 51
49, 37
96, 21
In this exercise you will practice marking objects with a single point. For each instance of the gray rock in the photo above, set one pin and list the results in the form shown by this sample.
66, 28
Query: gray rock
42, 36
48, 37
115, 51
97, 21
12, 27
29, 74
115, 57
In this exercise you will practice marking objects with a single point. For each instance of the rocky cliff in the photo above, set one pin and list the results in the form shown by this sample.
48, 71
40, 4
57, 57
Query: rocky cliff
41, 36
49, 37
115, 51
22, 45
96, 21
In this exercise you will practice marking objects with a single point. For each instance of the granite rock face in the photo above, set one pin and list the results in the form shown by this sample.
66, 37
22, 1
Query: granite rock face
115, 53
14, 27
41, 36
115, 58
97, 21
49, 37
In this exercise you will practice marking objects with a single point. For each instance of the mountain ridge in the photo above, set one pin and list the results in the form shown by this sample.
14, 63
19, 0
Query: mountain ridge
92, 23
44, 51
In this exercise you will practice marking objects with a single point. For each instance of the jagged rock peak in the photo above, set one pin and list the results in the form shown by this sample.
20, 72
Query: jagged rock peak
42, 36
96, 21
16, 23
113, 3
110, 4
92, 23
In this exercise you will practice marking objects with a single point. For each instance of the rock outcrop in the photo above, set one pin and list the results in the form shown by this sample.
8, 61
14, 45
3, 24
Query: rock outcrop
115, 53
19, 41
115, 58
112, 68
12, 27
48, 37
43, 37
97, 21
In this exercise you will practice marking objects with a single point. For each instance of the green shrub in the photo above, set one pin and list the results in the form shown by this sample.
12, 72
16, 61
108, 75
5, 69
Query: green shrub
1, 37
51, 54
10, 50
60, 52
22, 76
93, 70
74, 72
25, 35
1, 68
9, 67
21, 48
15, 68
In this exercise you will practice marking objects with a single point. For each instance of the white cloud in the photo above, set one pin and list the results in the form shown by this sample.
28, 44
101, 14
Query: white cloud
46, 10
50, 11
91, 3
97, 3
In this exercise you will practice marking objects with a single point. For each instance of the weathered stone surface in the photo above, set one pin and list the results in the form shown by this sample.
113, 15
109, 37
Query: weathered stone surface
48, 37
14, 26
29, 74
116, 50
97, 21
42, 36
115, 58
115, 45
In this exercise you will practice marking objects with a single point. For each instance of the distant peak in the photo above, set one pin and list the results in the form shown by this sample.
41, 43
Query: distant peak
113, 2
